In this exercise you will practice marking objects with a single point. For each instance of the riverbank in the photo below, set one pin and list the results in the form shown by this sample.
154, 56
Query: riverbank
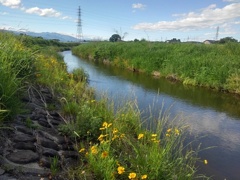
214, 66
32, 147
110, 144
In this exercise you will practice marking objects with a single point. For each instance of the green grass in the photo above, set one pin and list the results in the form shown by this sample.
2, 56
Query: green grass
109, 138
214, 66
16, 68
113, 144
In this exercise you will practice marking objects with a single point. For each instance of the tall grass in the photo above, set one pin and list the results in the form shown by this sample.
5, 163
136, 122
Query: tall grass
215, 66
124, 149
112, 144
15, 67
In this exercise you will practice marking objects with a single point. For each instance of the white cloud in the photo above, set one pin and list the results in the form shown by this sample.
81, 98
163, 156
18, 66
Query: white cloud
206, 18
66, 17
47, 12
231, 1
138, 6
3, 13
11, 3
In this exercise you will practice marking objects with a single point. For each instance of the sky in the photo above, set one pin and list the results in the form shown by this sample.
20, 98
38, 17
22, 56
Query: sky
153, 20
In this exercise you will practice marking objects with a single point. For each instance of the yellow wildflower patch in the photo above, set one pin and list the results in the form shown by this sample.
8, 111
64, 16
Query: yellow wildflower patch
144, 176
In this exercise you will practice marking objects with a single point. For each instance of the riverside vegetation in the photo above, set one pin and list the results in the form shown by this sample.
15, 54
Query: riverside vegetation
215, 66
111, 144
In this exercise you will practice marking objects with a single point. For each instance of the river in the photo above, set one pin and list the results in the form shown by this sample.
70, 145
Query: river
213, 115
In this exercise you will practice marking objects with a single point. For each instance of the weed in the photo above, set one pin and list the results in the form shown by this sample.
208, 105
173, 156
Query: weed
54, 166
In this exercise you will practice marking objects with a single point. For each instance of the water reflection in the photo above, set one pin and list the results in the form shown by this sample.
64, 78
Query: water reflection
210, 114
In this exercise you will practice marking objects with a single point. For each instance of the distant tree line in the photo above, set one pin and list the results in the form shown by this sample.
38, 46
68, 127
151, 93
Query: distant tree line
117, 37
227, 40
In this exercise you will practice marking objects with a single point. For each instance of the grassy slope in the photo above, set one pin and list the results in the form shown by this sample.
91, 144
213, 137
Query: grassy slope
216, 66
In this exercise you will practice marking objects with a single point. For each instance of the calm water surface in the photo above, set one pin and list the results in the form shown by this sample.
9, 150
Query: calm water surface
216, 116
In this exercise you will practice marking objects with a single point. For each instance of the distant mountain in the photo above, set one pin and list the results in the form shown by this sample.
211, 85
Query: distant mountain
49, 35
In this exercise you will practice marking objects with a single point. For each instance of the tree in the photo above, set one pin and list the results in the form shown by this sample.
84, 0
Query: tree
115, 38
174, 40
227, 39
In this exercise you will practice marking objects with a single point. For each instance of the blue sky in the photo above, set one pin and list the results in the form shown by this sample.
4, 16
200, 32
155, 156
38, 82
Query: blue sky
154, 20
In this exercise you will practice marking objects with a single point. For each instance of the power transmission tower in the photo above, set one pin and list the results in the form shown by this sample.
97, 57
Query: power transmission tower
217, 33
79, 26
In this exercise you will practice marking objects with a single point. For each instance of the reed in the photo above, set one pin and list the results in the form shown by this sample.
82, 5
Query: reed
214, 66
16, 66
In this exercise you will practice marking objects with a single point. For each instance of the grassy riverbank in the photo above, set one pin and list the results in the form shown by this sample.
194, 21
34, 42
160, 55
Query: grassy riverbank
215, 66
111, 145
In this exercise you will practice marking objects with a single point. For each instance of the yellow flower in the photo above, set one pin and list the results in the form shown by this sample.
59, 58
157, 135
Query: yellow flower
115, 130
205, 161
105, 124
82, 150
132, 175
122, 135
140, 136
94, 150
177, 131
154, 135
144, 176
169, 130
104, 154
120, 170
168, 135
114, 137
100, 138
92, 101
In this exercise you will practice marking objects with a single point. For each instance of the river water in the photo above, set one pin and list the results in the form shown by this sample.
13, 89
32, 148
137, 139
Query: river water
213, 115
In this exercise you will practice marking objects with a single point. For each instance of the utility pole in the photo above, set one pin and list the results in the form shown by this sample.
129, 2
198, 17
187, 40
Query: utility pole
79, 25
217, 33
